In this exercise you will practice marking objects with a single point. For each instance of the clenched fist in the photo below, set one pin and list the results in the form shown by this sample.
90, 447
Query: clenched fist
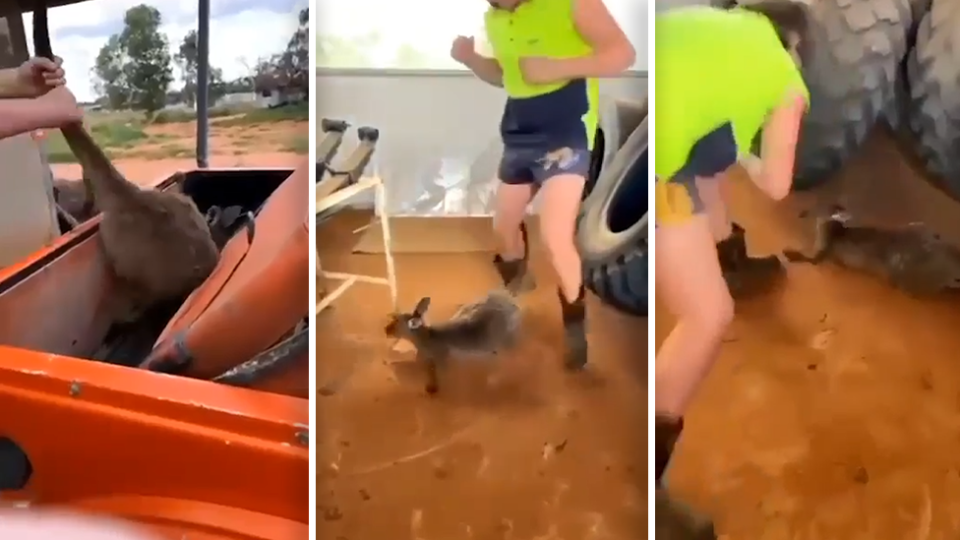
38, 75
463, 49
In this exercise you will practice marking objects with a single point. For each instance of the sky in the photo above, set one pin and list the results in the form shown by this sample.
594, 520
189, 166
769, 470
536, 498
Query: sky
435, 23
78, 31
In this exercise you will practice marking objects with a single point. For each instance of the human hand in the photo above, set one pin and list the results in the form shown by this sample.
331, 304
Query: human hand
37, 76
463, 49
541, 70
62, 106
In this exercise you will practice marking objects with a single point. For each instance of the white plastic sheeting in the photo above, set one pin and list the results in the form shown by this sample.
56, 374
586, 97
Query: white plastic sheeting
439, 144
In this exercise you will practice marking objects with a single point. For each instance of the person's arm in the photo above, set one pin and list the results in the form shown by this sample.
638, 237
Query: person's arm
10, 85
612, 51
774, 173
56, 108
486, 69
22, 115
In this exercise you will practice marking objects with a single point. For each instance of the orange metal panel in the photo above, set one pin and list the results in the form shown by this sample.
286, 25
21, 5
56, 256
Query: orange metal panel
99, 432
257, 294
188, 457
61, 307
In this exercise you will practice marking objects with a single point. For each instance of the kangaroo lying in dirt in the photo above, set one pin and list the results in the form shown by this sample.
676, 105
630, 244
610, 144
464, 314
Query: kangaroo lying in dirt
912, 258
157, 243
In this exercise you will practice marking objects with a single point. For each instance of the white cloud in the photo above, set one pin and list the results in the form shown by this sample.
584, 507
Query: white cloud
235, 39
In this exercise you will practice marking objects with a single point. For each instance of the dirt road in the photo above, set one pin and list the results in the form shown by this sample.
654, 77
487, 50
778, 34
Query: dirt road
150, 171
834, 412
169, 148
515, 449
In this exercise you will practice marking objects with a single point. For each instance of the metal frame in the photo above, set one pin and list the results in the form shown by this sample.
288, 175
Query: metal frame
203, 83
326, 202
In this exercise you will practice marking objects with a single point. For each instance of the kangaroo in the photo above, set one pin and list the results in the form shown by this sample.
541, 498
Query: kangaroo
71, 196
157, 244
912, 258
480, 329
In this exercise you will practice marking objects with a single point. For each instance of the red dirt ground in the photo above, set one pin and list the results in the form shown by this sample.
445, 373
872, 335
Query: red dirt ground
257, 145
148, 172
517, 450
834, 411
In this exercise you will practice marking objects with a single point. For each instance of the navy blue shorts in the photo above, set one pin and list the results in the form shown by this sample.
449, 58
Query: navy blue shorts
713, 154
678, 198
536, 165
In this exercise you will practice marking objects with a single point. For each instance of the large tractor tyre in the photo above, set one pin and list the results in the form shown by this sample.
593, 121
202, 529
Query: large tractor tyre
612, 227
618, 119
896, 114
851, 69
933, 69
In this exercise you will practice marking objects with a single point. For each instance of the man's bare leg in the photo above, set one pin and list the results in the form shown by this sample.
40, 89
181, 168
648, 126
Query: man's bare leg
510, 210
558, 220
691, 285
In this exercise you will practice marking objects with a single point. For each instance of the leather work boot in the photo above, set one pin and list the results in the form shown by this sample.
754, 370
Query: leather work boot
745, 275
674, 519
574, 330
514, 273
666, 432
677, 521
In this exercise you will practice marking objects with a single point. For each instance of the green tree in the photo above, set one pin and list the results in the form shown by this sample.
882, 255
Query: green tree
148, 71
290, 68
239, 85
295, 59
110, 80
136, 62
187, 58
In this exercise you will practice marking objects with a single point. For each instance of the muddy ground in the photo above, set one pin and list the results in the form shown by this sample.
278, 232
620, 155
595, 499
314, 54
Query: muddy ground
515, 449
834, 411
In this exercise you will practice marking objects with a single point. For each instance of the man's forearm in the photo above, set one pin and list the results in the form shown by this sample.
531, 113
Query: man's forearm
19, 115
10, 85
608, 63
487, 69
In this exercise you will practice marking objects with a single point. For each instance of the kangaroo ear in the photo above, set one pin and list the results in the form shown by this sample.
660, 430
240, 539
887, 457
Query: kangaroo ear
414, 323
422, 307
